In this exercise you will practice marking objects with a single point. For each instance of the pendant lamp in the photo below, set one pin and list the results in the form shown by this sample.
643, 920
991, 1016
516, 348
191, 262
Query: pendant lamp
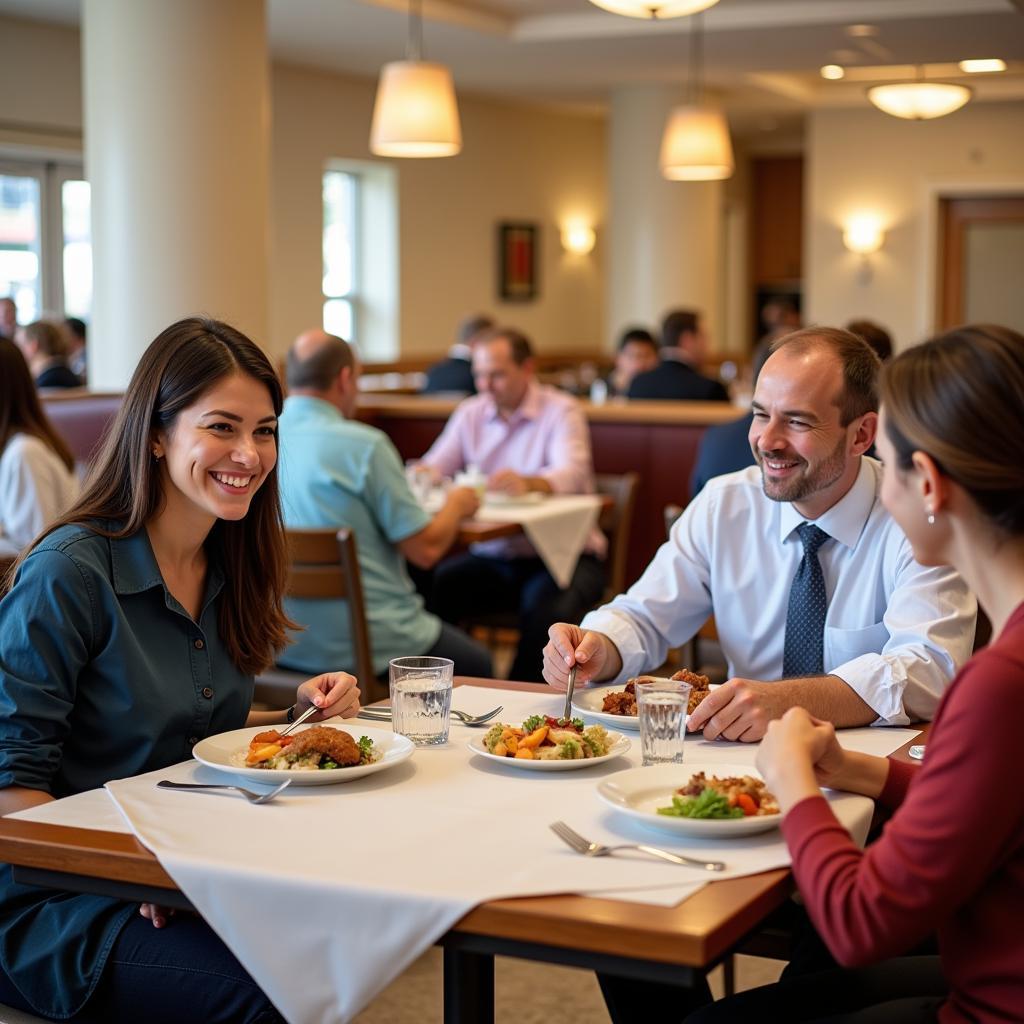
696, 144
415, 113
919, 100
654, 8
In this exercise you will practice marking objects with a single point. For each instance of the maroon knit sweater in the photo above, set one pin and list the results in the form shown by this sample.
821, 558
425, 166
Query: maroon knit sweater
951, 859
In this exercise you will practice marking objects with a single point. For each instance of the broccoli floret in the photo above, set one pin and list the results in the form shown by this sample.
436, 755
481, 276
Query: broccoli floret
570, 750
532, 723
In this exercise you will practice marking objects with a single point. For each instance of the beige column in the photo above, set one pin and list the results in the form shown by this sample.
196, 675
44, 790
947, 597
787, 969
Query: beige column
664, 237
177, 122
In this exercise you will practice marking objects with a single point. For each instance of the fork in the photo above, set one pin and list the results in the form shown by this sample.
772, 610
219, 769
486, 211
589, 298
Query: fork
384, 715
253, 798
589, 849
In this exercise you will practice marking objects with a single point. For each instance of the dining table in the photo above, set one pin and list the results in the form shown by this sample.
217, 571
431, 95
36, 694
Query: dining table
660, 940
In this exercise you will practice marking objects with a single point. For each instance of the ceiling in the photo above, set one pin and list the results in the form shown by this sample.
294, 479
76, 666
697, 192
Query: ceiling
761, 56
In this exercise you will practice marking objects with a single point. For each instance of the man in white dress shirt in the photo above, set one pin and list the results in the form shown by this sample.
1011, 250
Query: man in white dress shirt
890, 633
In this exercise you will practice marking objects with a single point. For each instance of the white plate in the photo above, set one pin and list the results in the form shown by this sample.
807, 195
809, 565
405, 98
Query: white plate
638, 792
219, 752
620, 745
587, 702
501, 498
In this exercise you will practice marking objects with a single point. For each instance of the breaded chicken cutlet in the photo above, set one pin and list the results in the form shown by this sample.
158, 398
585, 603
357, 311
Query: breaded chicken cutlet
334, 744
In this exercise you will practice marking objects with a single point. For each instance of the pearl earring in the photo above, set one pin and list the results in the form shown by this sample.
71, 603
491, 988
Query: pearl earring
931, 518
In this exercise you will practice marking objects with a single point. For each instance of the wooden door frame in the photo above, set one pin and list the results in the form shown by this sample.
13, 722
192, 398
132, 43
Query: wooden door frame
956, 213
931, 203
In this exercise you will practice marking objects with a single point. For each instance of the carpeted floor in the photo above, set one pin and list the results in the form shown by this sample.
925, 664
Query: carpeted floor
526, 993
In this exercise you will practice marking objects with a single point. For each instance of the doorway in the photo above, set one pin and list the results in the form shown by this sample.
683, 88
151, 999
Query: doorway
981, 256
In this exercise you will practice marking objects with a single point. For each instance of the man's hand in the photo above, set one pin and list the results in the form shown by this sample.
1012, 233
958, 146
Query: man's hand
464, 501
155, 913
593, 654
740, 710
507, 481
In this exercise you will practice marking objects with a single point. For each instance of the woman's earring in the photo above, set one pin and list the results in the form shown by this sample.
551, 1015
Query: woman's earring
931, 518
156, 456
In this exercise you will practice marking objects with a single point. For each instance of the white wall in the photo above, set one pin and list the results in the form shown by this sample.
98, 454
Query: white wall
864, 160
518, 163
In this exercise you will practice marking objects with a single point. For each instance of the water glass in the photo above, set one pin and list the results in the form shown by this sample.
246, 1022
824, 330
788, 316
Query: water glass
661, 710
421, 698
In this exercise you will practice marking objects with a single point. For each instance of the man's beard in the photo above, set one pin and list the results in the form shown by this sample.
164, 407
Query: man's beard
808, 482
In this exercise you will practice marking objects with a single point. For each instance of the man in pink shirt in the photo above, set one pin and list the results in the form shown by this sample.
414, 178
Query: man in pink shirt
524, 436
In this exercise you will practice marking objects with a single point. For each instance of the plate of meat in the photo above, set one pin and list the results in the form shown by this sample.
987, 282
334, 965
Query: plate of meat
616, 705
317, 756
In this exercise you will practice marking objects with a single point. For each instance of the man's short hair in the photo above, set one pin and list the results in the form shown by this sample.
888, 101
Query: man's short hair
859, 364
876, 336
518, 343
319, 369
471, 326
48, 338
640, 334
676, 324
76, 327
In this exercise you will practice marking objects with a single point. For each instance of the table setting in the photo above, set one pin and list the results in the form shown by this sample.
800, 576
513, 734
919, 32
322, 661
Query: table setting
381, 867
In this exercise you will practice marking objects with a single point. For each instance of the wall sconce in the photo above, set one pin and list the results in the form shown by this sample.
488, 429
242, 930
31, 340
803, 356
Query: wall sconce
578, 238
863, 234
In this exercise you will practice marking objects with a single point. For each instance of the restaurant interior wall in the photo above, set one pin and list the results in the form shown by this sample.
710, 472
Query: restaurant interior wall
862, 161
520, 162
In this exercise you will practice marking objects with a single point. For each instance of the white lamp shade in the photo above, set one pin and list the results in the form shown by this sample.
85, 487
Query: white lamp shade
919, 101
654, 8
696, 145
415, 113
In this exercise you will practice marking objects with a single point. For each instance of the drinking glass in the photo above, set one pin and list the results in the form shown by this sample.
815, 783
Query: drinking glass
661, 710
421, 698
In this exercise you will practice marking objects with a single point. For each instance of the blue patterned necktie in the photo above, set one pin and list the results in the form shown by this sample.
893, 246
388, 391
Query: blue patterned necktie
805, 617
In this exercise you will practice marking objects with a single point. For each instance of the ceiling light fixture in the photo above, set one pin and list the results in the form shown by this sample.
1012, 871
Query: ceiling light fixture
696, 144
654, 8
415, 113
981, 66
833, 72
919, 100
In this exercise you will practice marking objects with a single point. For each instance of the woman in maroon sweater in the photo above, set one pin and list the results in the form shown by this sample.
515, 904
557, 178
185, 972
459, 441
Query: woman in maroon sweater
951, 860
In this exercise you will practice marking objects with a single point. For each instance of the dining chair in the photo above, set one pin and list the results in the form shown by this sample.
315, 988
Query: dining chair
324, 565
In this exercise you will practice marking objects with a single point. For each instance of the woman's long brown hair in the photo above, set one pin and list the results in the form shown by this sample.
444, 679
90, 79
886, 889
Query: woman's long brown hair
21, 412
182, 364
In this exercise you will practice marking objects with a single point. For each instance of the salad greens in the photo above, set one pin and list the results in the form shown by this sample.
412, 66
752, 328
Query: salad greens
710, 804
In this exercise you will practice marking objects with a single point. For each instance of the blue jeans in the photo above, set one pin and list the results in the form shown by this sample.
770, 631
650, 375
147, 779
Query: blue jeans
181, 972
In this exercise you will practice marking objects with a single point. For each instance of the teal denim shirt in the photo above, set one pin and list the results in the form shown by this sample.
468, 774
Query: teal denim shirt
103, 675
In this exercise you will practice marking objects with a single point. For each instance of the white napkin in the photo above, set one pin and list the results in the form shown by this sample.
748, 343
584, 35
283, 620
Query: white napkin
558, 527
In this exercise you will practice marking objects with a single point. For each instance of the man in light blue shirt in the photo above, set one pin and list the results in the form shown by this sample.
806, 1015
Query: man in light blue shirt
338, 472
891, 633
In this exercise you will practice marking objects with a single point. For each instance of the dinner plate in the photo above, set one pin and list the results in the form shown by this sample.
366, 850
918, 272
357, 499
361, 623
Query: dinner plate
587, 702
221, 752
501, 498
620, 745
638, 792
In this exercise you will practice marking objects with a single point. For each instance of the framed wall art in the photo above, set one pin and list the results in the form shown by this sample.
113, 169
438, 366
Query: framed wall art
517, 262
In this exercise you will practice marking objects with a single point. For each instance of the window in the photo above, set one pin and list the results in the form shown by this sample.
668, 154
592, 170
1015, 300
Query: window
341, 240
360, 256
45, 244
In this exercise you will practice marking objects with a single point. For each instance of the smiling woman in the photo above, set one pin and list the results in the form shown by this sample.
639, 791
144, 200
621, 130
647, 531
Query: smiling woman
133, 629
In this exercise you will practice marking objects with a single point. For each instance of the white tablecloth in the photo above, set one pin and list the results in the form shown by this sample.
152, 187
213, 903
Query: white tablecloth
557, 526
328, 893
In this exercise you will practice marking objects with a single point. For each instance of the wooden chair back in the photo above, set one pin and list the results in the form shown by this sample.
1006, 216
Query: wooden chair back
616, 522
324, 565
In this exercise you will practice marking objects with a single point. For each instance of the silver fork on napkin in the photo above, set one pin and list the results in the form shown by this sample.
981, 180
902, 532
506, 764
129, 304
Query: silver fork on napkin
589, 849
253, 798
